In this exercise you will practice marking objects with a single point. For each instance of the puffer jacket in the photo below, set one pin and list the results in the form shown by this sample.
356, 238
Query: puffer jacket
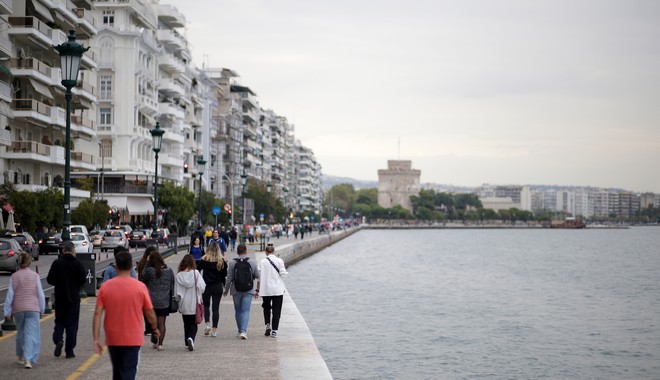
185, 291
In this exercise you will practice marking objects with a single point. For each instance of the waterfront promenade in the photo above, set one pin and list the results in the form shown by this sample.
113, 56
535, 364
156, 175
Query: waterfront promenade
293, 355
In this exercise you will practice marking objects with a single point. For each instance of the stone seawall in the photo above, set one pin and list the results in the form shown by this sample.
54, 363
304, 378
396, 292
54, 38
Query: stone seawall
300, 249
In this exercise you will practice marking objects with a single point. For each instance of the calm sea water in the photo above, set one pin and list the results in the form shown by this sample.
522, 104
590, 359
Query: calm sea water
485, 304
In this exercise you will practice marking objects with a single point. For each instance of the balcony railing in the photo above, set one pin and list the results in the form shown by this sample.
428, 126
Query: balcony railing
82, 157
87, 16
31, 105
30, 22
31, 64
85, 87
77, 119
30, 147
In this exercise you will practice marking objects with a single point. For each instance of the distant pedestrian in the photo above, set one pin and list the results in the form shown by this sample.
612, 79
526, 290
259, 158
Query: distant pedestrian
240, 276
67, 275
215, 238
26, 302
295, 231
270, 287
222, 232
189, 287
140, 269
214, 272
124, 300
160, 283
233, 235
111, 271
302, 231
196, 249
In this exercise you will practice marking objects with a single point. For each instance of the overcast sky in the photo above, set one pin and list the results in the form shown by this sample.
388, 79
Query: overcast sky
504, 92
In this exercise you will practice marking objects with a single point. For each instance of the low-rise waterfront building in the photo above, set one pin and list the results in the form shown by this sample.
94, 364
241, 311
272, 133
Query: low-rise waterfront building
397, 184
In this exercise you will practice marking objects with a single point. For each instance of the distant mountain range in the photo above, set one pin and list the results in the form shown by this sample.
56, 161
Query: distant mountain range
327, 181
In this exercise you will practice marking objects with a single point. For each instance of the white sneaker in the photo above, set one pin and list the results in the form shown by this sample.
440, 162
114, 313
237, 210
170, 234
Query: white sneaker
273, 334
21, 361
243, 336
28, 365
207, 330
191, 344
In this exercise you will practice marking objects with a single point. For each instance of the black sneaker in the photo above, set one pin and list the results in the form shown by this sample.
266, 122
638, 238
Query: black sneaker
154, 339
267, 330
58, 349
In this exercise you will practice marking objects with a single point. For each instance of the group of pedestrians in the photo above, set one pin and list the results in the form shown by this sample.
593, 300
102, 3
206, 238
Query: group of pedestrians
129, 308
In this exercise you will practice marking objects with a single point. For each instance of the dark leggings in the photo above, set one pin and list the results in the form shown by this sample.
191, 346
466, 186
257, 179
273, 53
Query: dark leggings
189, 327
207, 298
274, 303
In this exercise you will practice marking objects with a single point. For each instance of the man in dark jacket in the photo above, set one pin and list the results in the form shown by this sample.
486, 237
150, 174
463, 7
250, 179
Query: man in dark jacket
67, 274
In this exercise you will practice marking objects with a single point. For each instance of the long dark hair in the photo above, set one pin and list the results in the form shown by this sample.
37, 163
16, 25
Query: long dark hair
156, 261
187, 262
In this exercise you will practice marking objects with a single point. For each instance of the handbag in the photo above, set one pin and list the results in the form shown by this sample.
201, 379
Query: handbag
199, 307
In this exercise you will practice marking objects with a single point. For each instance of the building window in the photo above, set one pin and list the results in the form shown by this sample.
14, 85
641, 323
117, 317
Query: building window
106, 86
109, 18
105, 116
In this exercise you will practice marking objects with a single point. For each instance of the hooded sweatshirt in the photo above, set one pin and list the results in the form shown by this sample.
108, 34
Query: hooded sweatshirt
185, 291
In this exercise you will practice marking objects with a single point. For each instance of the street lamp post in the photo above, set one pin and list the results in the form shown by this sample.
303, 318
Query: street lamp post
232, 198
157, 136
70, 55
269, 187
244, 182
201, 164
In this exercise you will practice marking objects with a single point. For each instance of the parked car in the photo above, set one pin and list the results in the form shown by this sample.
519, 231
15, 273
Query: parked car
81, 242
50, 242
138, 238
27, 243
96, 236
9, 251
125, 228
113, 238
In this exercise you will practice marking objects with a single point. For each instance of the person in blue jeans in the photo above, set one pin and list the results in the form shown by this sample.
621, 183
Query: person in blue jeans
242, 299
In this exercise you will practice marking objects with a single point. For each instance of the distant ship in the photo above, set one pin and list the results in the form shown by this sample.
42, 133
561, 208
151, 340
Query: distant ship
571, 223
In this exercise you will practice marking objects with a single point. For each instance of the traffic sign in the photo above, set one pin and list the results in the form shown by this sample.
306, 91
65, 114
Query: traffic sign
227, 207
216, 210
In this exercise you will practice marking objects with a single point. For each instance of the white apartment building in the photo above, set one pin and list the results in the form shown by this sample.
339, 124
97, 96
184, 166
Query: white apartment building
32, 136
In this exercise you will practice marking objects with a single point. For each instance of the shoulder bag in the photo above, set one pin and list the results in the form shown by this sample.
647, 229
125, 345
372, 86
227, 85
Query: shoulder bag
199, 307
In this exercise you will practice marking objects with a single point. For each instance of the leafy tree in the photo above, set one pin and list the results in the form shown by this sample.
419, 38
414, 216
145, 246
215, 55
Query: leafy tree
179, 203
366, 197
91, 213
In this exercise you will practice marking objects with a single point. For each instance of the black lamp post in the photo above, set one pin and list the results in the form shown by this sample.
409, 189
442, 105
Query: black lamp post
201, 163
70, 55
157, 136
269, 188
244, 182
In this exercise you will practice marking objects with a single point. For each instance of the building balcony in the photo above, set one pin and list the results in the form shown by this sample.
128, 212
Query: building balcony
168, 160
66, 15
174, 137
172, 39
148, 105
30, 31
170, 109
33, 110
83, 122
171, 64
86, 90
5, 137
86, 23
171, 16
5, 95
170, 87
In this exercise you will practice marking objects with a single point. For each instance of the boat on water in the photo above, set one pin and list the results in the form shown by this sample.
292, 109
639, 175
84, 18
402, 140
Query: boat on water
570, 223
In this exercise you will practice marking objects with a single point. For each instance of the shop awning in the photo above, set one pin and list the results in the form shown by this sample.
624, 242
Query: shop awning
80, 103
43, 11
41, 88
140, 206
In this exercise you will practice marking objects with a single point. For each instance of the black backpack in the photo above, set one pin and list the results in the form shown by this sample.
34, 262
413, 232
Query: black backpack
243, 275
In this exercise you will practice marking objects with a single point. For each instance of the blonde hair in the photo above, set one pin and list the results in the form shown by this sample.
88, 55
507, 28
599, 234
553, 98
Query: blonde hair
213, 255
24, 260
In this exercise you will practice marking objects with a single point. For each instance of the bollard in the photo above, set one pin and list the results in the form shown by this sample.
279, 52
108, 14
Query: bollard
9, 325
48, 310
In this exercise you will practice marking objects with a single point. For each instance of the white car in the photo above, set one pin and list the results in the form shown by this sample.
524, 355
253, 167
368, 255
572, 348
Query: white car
81, 242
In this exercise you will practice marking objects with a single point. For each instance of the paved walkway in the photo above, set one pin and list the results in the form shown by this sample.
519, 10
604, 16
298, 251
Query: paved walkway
293, 355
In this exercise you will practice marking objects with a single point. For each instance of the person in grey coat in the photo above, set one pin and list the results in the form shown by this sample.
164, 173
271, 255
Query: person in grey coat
160, 283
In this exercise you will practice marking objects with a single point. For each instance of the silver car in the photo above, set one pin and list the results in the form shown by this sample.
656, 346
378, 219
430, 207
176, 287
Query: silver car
112, 239
9, 251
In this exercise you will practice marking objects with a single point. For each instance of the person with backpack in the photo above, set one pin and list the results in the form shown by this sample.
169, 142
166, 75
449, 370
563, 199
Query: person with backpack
240, 280
270, 287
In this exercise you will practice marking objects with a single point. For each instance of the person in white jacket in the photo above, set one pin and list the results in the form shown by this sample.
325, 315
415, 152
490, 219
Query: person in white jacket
270, 287
188, 296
